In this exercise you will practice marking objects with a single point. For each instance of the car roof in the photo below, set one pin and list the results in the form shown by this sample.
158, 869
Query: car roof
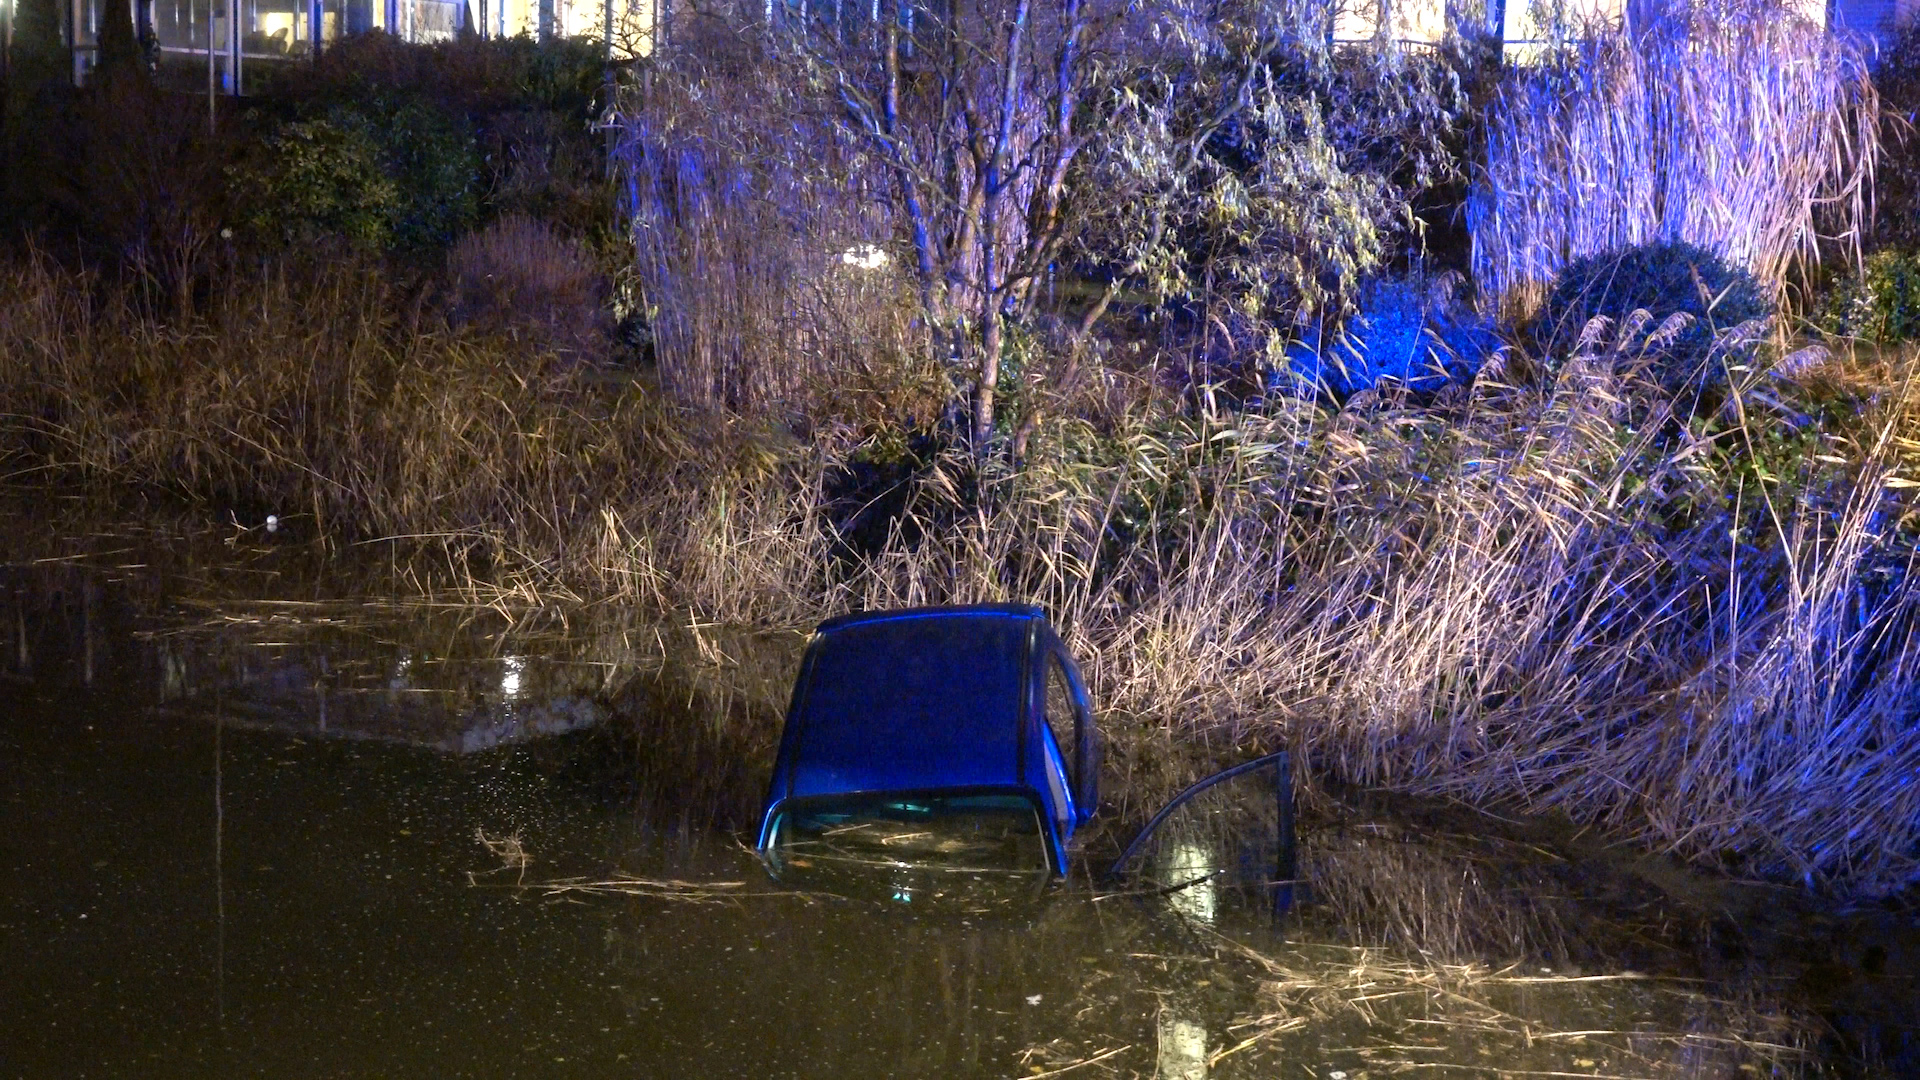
914, 699
1015, 611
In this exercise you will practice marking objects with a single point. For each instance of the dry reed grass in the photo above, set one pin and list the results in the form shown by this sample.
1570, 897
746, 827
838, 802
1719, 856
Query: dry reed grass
1437, 1018
518, 274
1524, 599
1552, 596
754, 225
1734, 125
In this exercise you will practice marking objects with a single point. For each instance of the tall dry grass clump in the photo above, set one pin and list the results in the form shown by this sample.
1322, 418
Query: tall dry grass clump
518, 274
332, 399
760, 235
1733, 125
1558, 598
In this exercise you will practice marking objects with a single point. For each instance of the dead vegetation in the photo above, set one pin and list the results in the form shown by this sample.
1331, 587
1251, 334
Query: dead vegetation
1695, 632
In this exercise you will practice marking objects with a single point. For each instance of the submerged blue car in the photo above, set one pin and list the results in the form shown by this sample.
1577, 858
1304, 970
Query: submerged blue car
944, 739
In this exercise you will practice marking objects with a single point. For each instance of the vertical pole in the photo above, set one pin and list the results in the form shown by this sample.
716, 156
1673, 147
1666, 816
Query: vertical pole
315, 19
233, 47
1286, 865
213, 112
545, 29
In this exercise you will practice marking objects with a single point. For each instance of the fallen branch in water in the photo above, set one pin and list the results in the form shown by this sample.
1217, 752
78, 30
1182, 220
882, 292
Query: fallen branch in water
699, 892
696, 892
513, 855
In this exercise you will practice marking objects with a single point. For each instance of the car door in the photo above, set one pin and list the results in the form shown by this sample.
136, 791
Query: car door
1227, 840
1070, 718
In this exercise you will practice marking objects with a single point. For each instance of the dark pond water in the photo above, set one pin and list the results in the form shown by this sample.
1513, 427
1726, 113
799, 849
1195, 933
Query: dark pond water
275, 838
202, 877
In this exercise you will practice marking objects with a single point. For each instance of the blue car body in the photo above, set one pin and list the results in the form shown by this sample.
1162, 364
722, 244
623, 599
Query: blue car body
920, 711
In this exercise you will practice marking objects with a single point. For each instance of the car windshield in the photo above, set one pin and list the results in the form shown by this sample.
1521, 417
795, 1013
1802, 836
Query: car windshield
991, 833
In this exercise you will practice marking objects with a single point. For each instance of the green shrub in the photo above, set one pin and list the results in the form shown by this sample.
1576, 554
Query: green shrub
312, 178
429, 156
471, 130
1663, 278
1882, 304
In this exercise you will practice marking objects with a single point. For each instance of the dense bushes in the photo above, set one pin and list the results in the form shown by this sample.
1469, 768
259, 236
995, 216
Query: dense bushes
405, 178
313, 179
469, 129
380, 146
1663, 279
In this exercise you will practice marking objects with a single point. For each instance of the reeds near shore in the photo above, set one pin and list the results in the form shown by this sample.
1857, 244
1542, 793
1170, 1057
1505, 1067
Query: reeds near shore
1561, 597
1734, 125
760, 239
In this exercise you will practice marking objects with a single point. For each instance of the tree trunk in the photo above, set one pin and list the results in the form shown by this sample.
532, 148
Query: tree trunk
994, 275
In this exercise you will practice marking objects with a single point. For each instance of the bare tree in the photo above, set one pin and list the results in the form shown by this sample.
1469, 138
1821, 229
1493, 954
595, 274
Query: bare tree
1198, 150
1024, 132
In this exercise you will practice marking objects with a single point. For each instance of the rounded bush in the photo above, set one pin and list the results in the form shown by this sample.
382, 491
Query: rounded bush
313, 178
429, 155
1663, 278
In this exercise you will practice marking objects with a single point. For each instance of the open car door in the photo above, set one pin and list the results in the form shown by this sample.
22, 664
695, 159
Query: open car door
1227, 840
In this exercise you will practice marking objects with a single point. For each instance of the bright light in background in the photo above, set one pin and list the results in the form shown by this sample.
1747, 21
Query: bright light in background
865, 256
510, 669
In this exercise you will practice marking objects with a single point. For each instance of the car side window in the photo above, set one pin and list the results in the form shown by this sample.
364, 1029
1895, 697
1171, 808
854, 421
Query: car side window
1057, 782
1060, 708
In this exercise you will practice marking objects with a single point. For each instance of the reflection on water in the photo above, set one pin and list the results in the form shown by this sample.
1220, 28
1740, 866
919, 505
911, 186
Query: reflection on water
1222, 848
448, 677
1182, 1045
1190, 867
241, 839
342, 937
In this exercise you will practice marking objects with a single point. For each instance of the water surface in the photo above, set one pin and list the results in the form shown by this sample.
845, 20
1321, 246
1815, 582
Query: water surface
275, 836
